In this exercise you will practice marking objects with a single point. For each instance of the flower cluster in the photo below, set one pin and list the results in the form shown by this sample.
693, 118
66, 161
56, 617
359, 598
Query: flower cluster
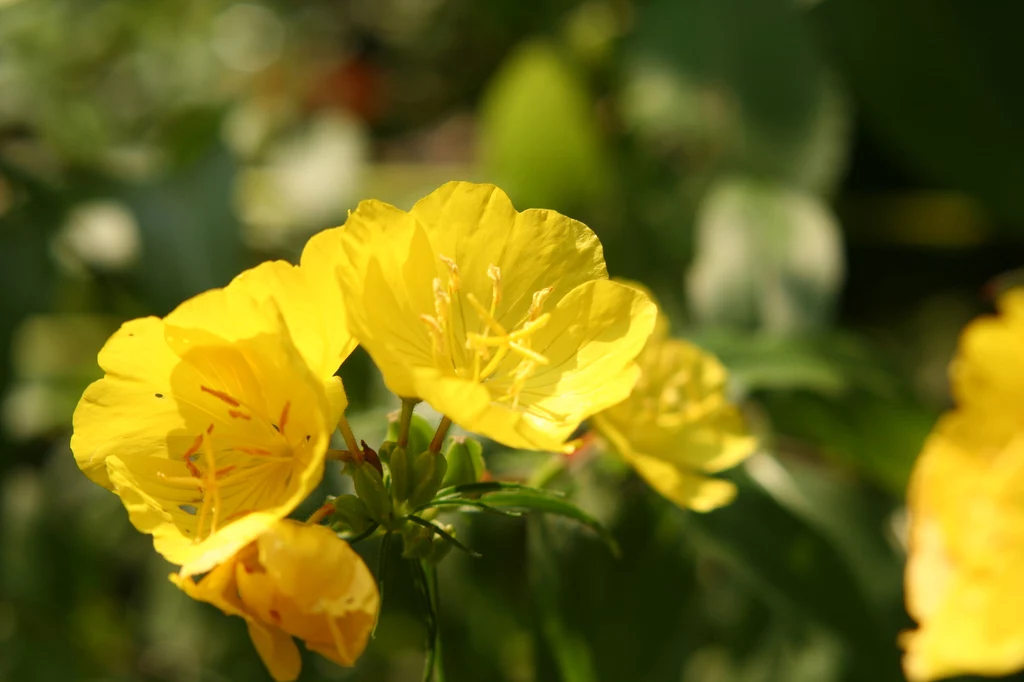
214, 423
967, 521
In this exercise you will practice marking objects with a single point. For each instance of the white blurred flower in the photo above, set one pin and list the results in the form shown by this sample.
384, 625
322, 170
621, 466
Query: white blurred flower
247, 37
102, 234
308, 181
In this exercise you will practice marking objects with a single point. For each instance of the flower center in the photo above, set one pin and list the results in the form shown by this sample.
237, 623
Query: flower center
492, 343
249, 464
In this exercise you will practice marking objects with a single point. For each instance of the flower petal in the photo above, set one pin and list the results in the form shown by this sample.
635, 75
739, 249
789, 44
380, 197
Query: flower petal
312, 309
477, 226
130, 408
684, 487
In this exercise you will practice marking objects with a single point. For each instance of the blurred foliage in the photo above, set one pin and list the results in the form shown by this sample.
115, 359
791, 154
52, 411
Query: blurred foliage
819, 191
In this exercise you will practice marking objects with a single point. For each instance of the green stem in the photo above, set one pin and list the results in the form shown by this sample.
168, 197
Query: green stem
350, 439
547, 472
435, 660
405, 420
442, 431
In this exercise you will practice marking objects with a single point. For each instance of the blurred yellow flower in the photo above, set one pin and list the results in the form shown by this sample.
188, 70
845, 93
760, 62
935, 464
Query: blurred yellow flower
963, 577
295, 581
677, 425
506, 322
213, 422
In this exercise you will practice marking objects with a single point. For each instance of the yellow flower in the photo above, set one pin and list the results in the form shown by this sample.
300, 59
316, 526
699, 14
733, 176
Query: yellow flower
506, 322
295, 581
677, 426
213, 422
963, 577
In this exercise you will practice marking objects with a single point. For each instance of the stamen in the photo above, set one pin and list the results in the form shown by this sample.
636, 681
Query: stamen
220, 395
284, 417
537, 304
532, 355
238, 414
494, 272
485, 315
436, 332
453, 273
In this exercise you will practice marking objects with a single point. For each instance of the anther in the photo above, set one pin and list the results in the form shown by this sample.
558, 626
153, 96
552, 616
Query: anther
537, 304
453, 273
436, 331
494, 273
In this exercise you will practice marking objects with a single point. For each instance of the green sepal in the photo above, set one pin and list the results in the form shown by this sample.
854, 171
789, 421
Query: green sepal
465, 461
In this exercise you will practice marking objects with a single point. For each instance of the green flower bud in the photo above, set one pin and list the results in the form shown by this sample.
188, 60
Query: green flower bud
350, 515
439, 546
371, 490
427, 469
465, 462
384, 451
398, 464
419, 542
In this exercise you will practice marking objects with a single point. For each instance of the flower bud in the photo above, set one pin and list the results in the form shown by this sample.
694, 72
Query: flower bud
371, 490
350, 515
419, 542
427, 469
398, 463
465, 462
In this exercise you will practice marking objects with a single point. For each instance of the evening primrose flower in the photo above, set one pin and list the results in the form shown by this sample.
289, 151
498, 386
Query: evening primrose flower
677, 425
504, 321
300, 581
966, 520
213, 422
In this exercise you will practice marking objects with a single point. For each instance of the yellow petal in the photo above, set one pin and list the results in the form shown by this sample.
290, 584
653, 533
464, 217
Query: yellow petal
277, 650
684, 487
386, 269
312, 309
965, 562
678, 416
966, 519
477, 226
465, 292
130, 409
212, 435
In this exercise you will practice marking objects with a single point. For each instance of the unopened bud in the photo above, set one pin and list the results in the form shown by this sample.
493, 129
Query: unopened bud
350, 515
465, 462
427, 469
370, 488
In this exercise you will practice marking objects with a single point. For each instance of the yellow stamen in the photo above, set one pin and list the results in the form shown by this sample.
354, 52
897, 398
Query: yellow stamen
436, 331
537, 304
453, 273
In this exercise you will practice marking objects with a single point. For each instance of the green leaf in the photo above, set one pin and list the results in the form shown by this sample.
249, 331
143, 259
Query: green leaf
477, 488
467, 502
535, 500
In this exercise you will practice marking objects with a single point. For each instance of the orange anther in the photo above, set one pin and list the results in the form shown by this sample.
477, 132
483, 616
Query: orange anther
196, 444
238, 414
284, 417
221, 395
